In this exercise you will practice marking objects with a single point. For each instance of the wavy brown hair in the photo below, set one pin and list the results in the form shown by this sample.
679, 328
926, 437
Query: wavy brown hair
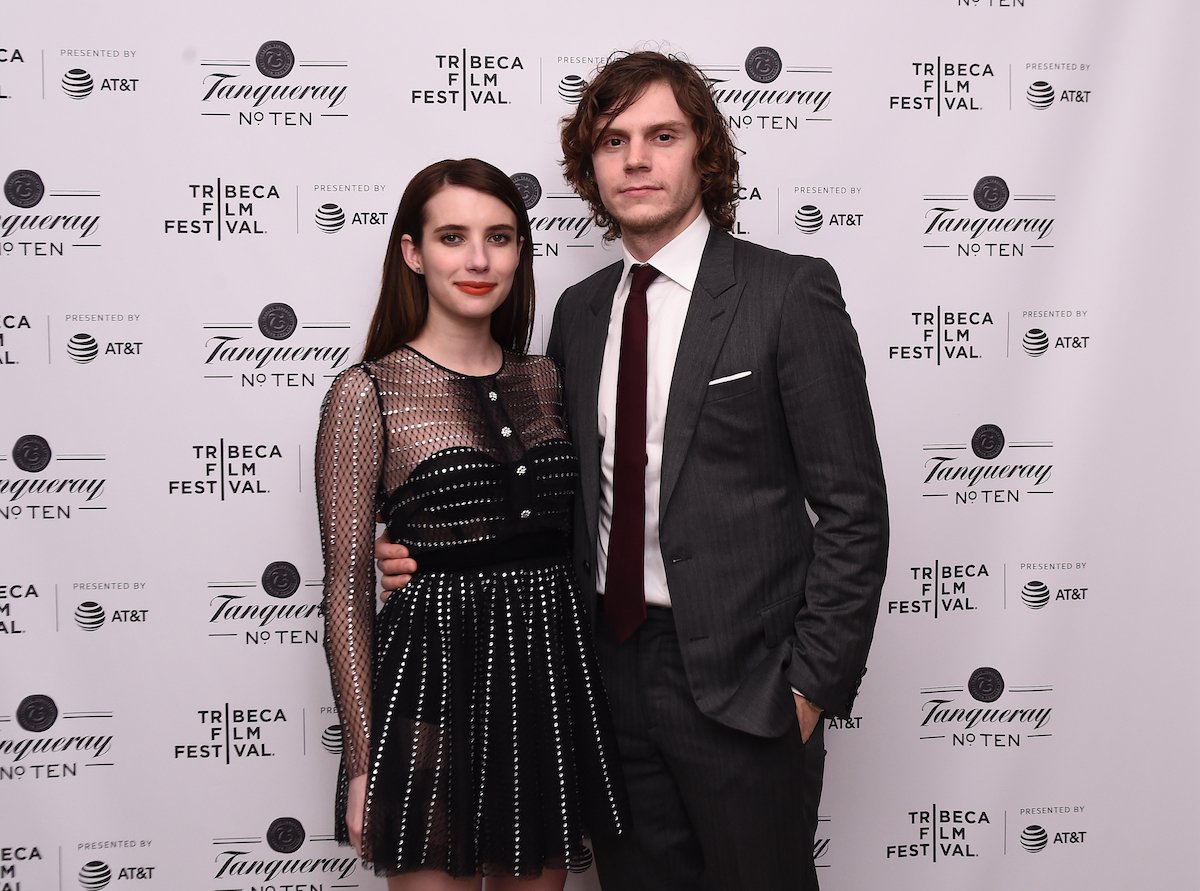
617, 86
403, 299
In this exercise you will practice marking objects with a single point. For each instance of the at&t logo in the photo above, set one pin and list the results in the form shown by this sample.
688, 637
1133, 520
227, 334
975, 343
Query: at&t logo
79, 84
83, 348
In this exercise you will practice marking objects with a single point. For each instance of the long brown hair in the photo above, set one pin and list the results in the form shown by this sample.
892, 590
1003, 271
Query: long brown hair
403, 299
617, 86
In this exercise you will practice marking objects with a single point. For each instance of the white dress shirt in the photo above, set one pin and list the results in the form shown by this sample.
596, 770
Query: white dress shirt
667, 301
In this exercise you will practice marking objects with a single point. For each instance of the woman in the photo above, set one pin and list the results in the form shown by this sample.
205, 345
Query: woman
477, 739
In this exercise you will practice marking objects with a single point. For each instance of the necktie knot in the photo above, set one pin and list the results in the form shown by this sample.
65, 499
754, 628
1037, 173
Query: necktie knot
642, 275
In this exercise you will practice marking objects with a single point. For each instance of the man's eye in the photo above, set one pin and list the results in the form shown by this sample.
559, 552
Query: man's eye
665, 137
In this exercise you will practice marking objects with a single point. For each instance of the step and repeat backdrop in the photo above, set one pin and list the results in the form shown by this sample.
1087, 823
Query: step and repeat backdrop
196, 201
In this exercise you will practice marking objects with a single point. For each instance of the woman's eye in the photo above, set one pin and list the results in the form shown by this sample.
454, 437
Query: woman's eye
501, 238
451, 238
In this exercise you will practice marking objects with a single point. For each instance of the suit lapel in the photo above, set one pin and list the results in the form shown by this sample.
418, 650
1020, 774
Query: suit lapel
587, 363
710, 312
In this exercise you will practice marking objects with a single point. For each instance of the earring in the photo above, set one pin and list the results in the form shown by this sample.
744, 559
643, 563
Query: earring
418, 270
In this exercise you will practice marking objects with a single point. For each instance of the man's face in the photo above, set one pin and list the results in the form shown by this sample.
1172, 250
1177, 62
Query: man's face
645, 166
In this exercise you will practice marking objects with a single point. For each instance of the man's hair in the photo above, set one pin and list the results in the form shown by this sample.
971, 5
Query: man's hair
617, 86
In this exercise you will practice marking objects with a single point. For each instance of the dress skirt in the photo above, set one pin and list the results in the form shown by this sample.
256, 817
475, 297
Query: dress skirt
492, 750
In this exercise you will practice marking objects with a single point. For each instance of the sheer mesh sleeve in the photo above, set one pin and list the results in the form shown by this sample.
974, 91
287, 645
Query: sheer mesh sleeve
349, 451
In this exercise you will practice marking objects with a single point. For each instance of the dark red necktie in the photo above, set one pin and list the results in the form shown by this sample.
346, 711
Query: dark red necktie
625, 583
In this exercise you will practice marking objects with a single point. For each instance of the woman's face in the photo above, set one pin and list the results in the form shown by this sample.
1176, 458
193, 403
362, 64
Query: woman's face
468, 254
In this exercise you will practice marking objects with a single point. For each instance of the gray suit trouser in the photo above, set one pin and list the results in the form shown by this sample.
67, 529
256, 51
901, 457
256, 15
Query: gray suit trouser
714, 808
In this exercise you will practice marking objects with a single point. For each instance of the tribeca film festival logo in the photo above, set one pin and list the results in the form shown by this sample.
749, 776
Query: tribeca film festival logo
9, 58
966, 480
101, 77
62, 227
20, 862
15, 330
232, 733
943, 833
943, 336
332, 217
61, 497
571, 227
950, 86
764, 94
952, 224
942, 589
232, 470
996, 716
317, 861
469, 79
262, 612
274, 88
227, 210
40, 747
17, 608
1051, 828
263, 355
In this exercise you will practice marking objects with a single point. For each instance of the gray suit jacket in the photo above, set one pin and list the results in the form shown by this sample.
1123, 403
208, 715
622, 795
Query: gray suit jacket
763, 600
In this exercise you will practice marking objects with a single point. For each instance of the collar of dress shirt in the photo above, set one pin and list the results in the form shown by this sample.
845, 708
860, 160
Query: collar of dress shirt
679, 259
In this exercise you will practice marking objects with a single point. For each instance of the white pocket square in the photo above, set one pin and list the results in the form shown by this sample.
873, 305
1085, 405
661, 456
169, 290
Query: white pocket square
730, 377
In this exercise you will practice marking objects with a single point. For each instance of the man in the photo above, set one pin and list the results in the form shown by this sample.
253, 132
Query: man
726, 623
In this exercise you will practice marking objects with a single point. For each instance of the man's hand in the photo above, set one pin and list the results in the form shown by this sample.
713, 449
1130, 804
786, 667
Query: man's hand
355, 800
395, 566
808, 715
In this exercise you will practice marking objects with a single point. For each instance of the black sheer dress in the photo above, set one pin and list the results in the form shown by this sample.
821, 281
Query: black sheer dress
472, 701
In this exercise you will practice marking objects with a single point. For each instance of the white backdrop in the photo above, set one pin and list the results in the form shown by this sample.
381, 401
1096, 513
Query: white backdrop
196, 203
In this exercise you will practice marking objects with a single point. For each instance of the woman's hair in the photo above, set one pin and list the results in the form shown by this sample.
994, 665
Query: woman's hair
403, 299
618, 85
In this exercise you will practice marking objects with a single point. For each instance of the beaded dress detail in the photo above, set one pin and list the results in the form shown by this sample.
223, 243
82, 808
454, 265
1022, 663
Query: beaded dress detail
472, 700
